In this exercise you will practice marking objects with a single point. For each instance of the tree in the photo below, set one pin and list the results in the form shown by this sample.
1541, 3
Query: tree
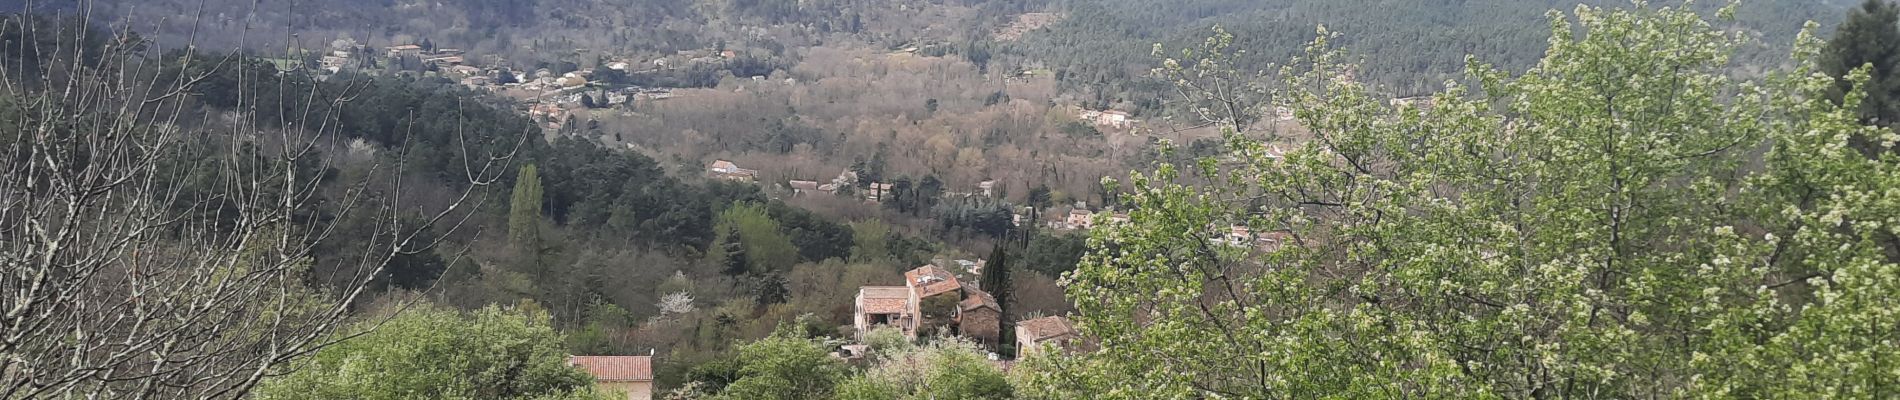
1537, 238
783, 366
524, 210
1869, 38
997, 282
902, 196
434, 353
732, 259
945, 369
144, 258
929, 191
766, 247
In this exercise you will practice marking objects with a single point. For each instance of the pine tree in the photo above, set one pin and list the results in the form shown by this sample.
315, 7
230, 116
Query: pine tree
524, 211
1870, 36
734, 261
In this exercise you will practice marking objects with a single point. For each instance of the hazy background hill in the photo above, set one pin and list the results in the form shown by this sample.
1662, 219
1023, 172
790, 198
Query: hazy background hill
1407, 45
1102, 45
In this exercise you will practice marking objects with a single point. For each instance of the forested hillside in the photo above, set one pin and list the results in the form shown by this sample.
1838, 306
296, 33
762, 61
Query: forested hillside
1406, 47
1099, 46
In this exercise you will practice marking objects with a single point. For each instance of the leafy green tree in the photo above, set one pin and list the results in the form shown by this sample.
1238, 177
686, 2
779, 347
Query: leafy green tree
524, 209
871, 241
1869, 37
434, 353
949, 369
1624, 220
783, 366
766, 246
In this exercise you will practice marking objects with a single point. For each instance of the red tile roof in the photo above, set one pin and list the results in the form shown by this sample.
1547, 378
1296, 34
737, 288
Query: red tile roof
616, 368
1040, 329
883, 299
931, 281
974, 298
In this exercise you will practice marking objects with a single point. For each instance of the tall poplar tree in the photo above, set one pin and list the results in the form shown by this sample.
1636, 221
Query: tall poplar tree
524, 210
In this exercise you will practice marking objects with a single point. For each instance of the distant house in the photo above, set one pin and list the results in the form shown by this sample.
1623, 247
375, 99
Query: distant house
979, 317
877, 192
1032, 334
571, 81
800, 188
988, 188
477, 81
444, 61
335, 63
1081, 218
629, 376
882, 306
407, 50
723, 169
1118, 218
1111, 118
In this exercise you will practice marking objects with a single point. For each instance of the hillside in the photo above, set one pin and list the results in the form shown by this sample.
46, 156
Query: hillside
1406, 46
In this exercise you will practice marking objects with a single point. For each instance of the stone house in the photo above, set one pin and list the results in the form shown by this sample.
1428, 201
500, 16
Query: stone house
723, 169
1032, 334
979, 316
880, 306
912, 308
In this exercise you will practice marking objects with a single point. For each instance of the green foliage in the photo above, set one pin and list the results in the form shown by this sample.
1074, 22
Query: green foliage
524, 210
783, 367
976, 214
1625, 220
767, 249
943, 370
432, 353
871, 241
1869, 37
1415, 46
1053, 254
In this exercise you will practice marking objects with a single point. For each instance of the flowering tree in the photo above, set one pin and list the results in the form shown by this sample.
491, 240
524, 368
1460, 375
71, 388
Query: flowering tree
1622, 220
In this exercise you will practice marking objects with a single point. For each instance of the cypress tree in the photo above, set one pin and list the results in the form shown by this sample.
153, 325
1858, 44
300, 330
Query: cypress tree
996, 280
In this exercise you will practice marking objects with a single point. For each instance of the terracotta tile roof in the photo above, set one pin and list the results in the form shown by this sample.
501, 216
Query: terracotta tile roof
931, 281
974, 298
616, 368
1045, 328
883, 299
